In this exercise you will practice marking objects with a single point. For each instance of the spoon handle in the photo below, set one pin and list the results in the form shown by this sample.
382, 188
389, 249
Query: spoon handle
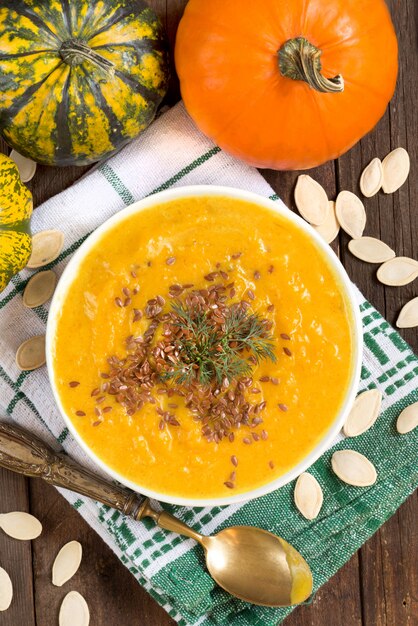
24, 453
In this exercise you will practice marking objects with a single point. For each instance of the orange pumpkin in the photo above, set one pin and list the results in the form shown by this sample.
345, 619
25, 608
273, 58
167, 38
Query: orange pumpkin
286, 84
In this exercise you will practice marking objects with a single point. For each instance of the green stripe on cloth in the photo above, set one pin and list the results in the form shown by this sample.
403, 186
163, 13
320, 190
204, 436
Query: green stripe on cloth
115, 182
186, 170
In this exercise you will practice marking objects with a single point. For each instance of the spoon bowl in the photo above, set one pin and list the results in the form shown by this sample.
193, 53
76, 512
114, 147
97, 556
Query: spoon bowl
235, 554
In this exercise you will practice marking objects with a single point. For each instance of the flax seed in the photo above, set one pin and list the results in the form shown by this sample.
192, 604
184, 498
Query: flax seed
271, 464
264, 379
229, 484
257, 275
118, 302
285, 336
287, 351
74, 383
170, 260
282, 407
234, 460
80, 413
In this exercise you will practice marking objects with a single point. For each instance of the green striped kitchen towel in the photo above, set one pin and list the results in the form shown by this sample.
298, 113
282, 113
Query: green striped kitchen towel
172, 153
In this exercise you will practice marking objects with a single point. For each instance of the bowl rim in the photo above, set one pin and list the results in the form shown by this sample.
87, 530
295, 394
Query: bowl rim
70, 272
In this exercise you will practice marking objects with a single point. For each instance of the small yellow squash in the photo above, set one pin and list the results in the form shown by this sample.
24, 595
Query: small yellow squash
15, 213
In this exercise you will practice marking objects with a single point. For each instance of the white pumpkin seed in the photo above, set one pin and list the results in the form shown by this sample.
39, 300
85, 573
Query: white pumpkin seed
39, 289
353, 468
372, 178
395, 170
408, 419
308, 496
330, 228
46, 247
365, 411
31, 353
26, 167
66, 563
398, 271
408, 317
371, 250
74, 610
6, 590
20, 525
311, 200
350, 213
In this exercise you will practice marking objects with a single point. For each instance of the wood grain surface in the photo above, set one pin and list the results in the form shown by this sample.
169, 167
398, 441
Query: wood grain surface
379, 585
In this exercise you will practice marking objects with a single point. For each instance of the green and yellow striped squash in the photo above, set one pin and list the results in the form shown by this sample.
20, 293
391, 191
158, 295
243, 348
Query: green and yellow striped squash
15, 212
78, 78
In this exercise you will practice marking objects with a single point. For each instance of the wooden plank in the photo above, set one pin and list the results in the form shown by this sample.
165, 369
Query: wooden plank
16, 556
388, 571
112, 593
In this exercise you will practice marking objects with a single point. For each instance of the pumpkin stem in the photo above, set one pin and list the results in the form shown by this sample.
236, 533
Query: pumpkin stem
301, 60
74, 52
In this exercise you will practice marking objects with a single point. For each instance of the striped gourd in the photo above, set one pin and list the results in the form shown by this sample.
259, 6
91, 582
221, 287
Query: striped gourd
15, 212
78, 78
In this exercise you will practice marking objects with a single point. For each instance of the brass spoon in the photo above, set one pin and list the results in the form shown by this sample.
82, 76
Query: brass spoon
248, 562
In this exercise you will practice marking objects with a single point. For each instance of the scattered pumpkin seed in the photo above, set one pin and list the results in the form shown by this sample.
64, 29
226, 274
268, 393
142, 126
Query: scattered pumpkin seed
20, 525
398, 271
353, 468
408, 317
372, 178
31, 353
395, 166
371, 250
331, 227
66, 563
74, 610
364, 413
39, 289
350, 213
6, 590
26, 167
308, 496
311, 200
408, 419
46, 247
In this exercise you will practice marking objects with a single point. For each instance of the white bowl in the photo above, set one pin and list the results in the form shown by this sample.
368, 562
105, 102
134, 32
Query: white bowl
70, 273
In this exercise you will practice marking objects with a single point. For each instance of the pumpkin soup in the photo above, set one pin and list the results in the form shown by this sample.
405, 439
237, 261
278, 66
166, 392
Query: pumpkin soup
204, 347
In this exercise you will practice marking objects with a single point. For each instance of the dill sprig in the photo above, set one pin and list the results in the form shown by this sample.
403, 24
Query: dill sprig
209, 352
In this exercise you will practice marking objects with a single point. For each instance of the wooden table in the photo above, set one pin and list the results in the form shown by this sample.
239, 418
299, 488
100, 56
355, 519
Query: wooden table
378, 586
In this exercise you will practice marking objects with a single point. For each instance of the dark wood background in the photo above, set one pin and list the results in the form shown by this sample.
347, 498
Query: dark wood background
379, 585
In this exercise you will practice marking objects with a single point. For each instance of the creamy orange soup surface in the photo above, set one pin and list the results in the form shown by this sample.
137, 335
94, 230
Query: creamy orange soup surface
284, 278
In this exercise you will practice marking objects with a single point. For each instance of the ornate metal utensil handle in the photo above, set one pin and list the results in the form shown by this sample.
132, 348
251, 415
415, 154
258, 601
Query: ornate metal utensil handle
24, 453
